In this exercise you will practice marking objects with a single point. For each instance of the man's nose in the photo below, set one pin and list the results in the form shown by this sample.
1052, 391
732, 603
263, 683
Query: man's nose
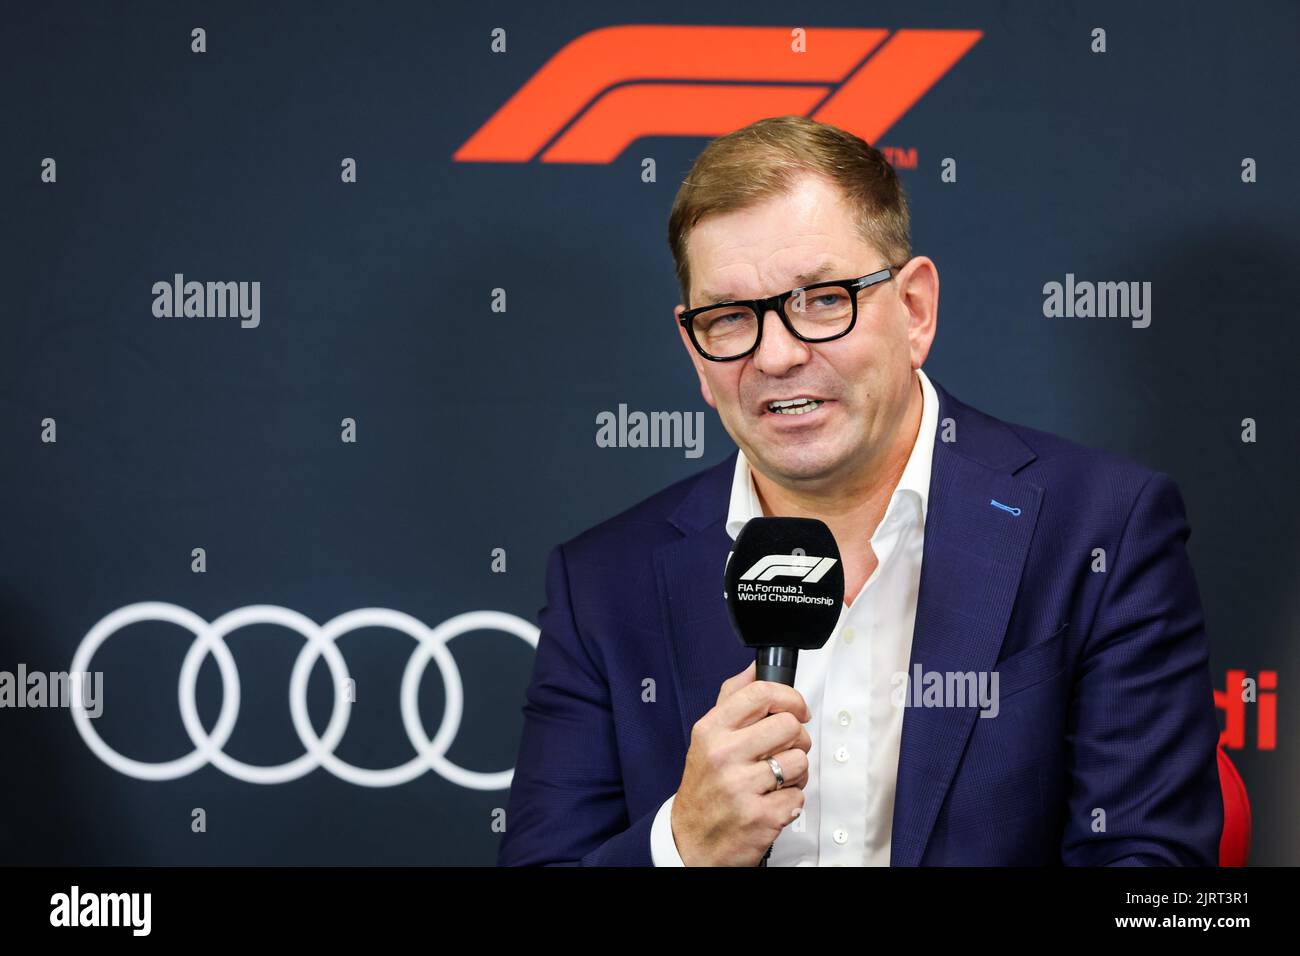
779, 351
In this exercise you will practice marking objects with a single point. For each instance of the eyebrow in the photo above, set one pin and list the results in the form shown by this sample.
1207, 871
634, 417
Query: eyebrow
708, 296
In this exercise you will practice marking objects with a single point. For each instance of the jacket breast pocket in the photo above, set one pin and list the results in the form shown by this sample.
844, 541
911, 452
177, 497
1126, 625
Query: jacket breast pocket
1031, 666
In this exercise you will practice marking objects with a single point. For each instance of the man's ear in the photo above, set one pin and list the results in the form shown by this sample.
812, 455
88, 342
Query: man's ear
919, 293
696, 360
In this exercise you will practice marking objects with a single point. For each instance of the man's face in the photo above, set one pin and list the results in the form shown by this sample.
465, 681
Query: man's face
863, 380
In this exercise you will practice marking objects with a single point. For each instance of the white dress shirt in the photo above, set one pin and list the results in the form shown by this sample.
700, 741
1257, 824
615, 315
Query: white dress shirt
856, 729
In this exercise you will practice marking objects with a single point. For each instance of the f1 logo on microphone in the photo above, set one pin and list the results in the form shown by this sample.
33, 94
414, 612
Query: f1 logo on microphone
804, 567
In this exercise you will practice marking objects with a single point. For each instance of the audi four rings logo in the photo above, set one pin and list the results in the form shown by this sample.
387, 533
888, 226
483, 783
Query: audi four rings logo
804, 567
431, 644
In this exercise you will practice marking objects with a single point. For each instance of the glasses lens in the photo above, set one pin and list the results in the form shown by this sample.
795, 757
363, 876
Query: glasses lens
820, 313
726, 331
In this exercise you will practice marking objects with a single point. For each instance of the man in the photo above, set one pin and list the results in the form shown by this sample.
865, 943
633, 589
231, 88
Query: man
989, 554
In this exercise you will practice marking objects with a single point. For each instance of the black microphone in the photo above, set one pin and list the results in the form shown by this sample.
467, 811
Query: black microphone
784, 586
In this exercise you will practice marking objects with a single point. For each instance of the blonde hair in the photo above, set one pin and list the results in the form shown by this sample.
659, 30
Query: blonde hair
762, 160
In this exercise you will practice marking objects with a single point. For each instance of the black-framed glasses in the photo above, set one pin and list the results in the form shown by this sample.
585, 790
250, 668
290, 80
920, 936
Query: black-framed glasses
819, 312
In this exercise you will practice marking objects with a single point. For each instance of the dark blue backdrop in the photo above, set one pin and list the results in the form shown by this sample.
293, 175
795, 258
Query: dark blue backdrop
476, 429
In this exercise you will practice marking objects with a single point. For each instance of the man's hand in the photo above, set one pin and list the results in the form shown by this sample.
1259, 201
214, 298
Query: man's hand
726, 812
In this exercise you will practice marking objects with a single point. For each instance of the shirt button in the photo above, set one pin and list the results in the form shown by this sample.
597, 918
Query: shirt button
840, 836
848, 635
844, 718
842, 754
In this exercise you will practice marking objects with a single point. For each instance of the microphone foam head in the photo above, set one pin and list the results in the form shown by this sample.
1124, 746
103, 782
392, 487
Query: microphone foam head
784, 583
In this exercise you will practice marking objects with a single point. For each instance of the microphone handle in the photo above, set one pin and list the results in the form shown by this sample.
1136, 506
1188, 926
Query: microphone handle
776, 664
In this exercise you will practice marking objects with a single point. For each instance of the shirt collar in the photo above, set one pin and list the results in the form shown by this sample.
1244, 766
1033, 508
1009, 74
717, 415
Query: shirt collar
914, 485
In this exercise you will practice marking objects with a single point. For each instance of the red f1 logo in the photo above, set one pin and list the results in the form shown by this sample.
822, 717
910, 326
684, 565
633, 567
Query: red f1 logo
609, 87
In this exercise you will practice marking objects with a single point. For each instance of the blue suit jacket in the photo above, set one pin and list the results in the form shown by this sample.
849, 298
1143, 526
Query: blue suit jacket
1106, 701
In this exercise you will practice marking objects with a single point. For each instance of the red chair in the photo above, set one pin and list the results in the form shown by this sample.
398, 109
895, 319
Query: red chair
1234, 846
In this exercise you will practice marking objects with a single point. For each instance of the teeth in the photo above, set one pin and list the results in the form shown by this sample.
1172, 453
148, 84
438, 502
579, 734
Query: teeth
794, 406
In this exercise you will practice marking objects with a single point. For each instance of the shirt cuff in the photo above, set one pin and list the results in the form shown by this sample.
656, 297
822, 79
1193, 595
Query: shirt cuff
663, 848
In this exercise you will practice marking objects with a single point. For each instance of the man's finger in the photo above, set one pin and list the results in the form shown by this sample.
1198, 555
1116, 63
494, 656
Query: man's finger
756, 700
734, 683
768, 736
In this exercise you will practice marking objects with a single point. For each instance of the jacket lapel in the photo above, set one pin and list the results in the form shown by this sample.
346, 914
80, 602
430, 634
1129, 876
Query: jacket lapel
705, 649
971, 565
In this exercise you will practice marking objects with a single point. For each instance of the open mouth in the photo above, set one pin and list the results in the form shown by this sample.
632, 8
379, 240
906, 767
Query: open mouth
795, 406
